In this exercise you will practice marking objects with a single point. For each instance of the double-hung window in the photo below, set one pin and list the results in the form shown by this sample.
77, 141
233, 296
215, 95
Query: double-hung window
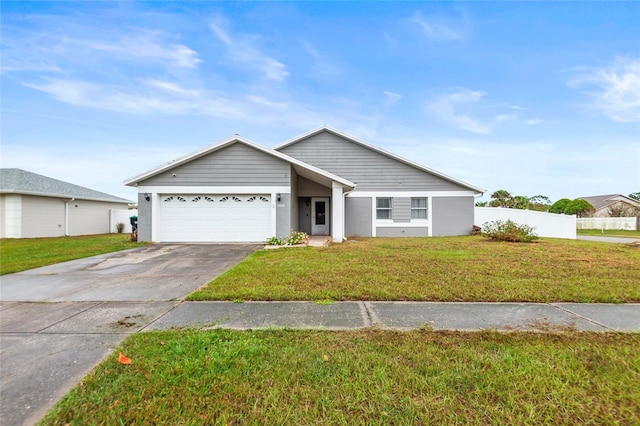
384, 206
419, 208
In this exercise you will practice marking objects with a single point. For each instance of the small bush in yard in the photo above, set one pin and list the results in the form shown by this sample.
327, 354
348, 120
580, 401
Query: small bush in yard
274, 241
297, 238
499, 230
119, 227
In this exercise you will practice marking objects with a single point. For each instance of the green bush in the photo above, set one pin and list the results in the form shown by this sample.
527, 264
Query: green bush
275, 241
297, 238
499, 230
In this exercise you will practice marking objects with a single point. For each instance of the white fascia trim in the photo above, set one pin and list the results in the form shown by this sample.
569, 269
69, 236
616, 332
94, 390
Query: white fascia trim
366, 194
214, 189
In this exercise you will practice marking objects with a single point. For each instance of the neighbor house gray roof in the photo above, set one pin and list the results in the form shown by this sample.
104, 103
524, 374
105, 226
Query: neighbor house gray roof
18, 181
602, 201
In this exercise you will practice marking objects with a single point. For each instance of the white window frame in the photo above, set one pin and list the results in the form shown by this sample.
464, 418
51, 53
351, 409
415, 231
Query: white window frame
385, 209
419, 209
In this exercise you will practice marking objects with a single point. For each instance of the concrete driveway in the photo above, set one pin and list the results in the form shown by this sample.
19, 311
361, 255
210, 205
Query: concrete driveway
46, 348
157, 272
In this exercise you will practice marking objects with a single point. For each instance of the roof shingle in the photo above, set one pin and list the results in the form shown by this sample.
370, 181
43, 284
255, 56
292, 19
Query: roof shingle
20, 181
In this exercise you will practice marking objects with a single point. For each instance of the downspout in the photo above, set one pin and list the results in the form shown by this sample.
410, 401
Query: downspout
66, 216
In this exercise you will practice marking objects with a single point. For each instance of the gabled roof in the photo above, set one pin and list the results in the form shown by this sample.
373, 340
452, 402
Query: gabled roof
302, 168
378, 150
603, 201
18, 181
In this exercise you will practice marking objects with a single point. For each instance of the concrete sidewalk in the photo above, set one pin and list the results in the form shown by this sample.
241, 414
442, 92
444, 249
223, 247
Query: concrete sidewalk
402, 316
48, 347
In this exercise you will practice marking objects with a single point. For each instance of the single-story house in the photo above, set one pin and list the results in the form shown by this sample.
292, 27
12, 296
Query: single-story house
32, 205
617, 204
323, 183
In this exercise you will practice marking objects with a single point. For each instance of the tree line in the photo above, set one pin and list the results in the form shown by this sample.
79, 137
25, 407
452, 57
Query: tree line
542, 203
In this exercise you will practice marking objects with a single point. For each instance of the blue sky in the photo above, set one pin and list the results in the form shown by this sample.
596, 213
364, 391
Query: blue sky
531, 97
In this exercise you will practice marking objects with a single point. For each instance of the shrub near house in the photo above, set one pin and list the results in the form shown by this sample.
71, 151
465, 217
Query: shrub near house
509, 231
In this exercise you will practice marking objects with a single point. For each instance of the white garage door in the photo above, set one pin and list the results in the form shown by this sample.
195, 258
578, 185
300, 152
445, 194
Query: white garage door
214, 218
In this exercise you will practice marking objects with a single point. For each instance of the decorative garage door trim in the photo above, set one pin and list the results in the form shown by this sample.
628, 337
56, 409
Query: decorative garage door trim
216, 217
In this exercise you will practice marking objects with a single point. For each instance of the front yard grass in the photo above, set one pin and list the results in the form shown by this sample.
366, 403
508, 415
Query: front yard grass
27, 253
469, 269
361, 377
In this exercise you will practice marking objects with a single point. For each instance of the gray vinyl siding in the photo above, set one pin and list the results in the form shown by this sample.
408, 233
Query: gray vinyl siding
283, 216
145, 210
308, 188
382, 231
370, 170
401, 212
234, 165
452, 215
43, 217
358, 216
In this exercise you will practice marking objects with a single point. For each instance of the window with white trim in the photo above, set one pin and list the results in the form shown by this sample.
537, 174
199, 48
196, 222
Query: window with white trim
384, 207
419, 208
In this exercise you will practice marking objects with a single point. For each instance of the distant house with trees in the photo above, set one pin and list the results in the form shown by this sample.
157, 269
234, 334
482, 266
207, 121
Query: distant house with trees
613, 205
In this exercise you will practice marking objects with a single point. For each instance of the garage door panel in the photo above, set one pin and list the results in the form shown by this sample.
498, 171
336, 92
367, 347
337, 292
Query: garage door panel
213, 218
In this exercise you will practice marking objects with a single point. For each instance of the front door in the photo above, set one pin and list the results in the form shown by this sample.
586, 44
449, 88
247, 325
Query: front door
320, 216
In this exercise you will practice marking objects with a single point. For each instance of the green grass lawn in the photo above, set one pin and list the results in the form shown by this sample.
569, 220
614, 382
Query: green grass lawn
437, 269
27, 253
274, 377
609, 233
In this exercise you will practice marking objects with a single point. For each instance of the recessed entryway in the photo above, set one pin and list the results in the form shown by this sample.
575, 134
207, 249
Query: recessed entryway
320, 216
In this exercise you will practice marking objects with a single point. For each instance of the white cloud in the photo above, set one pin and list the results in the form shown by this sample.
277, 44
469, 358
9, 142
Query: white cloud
321, 66
145, 46
432, 29
392, 98
469, 110
617, 89
172, 88
242, 49
501, 118
533, 121
446, 107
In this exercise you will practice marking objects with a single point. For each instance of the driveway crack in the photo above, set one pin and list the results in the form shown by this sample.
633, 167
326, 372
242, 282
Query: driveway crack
70, 316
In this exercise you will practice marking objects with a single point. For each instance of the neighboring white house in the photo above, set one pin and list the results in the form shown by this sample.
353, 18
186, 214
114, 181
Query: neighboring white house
32, 205
605, 204
323, 183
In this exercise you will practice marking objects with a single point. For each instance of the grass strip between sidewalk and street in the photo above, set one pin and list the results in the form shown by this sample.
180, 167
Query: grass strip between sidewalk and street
27, 253
361, 377
609, 233
448, 269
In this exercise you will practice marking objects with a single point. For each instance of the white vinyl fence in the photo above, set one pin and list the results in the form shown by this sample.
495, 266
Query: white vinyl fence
117, 216
615, 223
550, 225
